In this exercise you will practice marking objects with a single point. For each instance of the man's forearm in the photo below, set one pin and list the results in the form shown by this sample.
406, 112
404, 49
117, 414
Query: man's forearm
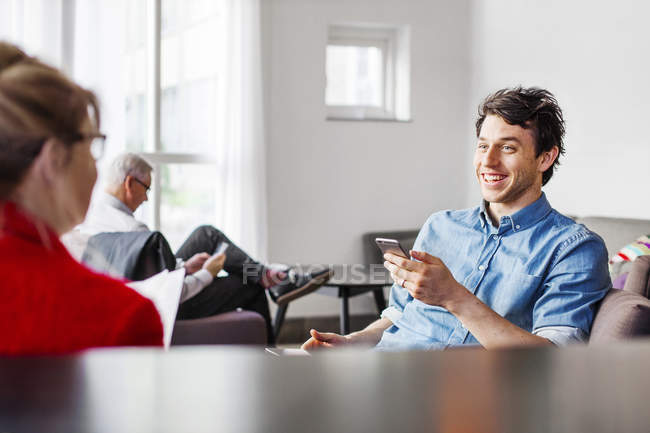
490, 329
371, 334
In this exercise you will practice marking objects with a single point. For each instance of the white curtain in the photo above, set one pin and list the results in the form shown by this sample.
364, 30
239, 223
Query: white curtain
242, 199
40, 28
99, 64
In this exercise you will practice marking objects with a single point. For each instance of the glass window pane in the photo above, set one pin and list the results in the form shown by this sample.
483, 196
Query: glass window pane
189, 117
136, 120
355, 76
188, 199
192, 51
169, 16
134, 76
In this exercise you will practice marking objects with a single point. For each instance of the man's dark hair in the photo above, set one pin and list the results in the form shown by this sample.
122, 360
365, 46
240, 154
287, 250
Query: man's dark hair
533, 108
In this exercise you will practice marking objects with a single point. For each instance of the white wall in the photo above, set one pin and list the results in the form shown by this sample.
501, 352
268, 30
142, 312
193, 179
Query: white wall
595, 57
325, 188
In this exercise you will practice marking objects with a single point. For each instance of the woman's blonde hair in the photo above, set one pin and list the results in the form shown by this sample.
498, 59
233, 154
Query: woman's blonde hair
37, 102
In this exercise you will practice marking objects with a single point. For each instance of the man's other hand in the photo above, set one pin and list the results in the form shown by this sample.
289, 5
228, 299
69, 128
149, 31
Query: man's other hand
214, 264
195, 262
324, 340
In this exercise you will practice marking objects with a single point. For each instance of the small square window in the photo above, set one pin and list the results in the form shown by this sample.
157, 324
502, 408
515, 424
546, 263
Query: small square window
355, 76
367, 70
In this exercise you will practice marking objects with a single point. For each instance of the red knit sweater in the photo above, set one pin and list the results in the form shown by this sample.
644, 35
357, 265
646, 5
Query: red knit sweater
51, 304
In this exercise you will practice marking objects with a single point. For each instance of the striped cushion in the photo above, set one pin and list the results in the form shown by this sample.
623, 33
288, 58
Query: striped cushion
640, 247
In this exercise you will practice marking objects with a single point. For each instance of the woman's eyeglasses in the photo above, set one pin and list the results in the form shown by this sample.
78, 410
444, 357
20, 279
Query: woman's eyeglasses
97, 144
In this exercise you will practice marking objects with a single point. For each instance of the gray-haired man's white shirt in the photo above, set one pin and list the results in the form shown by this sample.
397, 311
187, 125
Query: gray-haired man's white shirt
108, 214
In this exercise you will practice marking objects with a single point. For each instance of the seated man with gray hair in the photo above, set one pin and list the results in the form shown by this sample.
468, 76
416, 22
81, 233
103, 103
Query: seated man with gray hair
128, 183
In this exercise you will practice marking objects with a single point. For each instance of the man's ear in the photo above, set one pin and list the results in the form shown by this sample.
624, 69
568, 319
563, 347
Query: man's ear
548, 158
51, 160
128, 184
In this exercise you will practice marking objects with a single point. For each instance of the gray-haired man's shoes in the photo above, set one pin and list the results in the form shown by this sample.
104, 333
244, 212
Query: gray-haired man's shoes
299, 284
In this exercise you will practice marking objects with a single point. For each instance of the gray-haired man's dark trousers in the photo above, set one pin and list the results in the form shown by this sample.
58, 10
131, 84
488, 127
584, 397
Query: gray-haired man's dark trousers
226, 293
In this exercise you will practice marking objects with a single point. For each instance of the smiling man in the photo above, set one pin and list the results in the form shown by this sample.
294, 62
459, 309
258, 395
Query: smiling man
512, 271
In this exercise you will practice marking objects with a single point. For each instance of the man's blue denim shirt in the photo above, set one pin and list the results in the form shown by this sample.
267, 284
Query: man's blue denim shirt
538, 269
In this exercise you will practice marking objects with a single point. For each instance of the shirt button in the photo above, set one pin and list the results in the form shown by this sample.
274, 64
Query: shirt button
481, 267
517, 226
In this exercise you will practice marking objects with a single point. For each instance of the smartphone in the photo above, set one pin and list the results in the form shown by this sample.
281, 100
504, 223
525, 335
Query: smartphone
391, 246
221, 249
286, 352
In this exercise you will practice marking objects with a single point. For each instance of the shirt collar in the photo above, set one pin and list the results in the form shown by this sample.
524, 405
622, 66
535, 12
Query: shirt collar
115, 202
521, 219
483, 216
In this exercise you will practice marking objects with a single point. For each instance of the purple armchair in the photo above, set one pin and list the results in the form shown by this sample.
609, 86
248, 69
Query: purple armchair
235, 327
625, 314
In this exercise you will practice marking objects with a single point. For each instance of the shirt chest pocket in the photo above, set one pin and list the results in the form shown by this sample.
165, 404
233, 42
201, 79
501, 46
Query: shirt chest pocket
512, 295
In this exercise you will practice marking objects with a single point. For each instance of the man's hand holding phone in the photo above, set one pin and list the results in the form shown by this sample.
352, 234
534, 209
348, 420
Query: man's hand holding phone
215, 263
426, 278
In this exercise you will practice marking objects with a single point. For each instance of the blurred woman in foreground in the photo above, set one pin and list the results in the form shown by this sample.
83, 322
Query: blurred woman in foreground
49, 140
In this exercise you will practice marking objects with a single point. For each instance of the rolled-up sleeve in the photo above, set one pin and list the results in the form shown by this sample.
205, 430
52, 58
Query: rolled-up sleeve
577, 279
396, 302
562, 335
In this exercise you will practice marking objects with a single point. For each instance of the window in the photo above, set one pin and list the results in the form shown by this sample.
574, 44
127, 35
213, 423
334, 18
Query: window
180, 46
367, 70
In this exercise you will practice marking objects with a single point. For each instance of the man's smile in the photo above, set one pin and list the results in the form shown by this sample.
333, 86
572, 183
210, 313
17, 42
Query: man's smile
493, 178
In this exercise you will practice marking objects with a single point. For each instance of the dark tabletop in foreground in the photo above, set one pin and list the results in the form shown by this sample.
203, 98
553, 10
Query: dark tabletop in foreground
580, 389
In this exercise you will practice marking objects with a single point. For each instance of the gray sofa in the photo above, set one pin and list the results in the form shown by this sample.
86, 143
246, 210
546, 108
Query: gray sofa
623, 313
616, 232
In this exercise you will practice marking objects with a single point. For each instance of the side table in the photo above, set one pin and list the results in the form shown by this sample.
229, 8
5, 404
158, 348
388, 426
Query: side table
349, 281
